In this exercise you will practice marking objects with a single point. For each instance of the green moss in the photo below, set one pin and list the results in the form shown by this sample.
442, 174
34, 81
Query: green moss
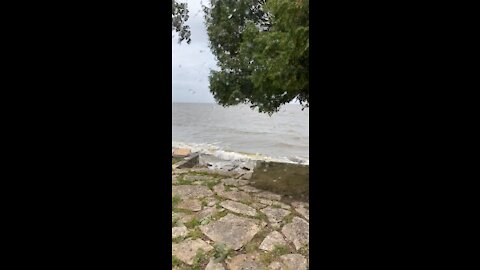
194, 222
176, 262
271, 256
221, 251
200, 260
288, 218
175, 201
219, 214
195, 234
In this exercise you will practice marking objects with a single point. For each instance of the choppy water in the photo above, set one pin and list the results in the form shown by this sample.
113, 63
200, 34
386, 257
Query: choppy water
239, 132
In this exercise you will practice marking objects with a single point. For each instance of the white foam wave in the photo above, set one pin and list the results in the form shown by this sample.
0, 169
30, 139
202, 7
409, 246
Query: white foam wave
215, 150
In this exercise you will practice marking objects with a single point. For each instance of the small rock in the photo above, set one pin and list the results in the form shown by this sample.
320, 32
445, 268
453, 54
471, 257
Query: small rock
179, 231
191, 191
181, 152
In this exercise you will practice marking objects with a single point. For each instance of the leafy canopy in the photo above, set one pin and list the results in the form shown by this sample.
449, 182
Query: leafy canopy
179, 17
262, 49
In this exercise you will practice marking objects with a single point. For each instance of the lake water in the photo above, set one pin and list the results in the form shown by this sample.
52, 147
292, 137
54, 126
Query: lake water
239, 132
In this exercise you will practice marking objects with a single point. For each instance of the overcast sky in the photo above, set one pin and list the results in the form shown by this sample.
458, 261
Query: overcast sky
191, 63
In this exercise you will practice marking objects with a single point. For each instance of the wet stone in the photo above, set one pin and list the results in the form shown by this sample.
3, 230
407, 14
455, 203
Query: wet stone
231, 230
239, 208
186, 250
273, 239
297, 232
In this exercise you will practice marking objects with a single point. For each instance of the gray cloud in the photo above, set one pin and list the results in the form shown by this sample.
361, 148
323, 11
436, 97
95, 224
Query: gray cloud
191, 63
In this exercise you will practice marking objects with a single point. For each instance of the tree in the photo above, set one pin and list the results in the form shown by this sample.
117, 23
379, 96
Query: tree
179, 17
262, 49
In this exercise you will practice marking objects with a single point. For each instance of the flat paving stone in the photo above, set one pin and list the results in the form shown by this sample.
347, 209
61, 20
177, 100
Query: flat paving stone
234, 182
246, 262
250, 189
269, 195
304, 212
191, 191
239, 208
212, 265
231, 230
190, 204
275, 215
297, 232
271, 240
294, 261
186, 250
236, 196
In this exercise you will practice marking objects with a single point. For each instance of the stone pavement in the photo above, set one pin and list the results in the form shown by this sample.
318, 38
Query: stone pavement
219, 221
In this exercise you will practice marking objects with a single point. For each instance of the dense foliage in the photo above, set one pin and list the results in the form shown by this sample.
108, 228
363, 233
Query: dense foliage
262, 49
179, 17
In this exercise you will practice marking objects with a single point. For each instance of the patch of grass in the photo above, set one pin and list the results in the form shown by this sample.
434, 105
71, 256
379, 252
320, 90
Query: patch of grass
195, 234
176, 159
251, 247
204, 202
200, 260
261, 216
221, 251
192, 223
178, 239
211, 183
277, 251
176, 262
219, 214
182, 181
288, 218
175, 201
228, 188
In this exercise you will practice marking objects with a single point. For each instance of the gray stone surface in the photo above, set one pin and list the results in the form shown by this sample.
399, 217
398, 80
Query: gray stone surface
186, 250
236, 196
191, 191
212, 265
294, 261
271, 240
250, 189
269, 195
297, 232
246, 262
275, 215
179, 231
231, 230
190, 204
234, 182
239, 208
304, 212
